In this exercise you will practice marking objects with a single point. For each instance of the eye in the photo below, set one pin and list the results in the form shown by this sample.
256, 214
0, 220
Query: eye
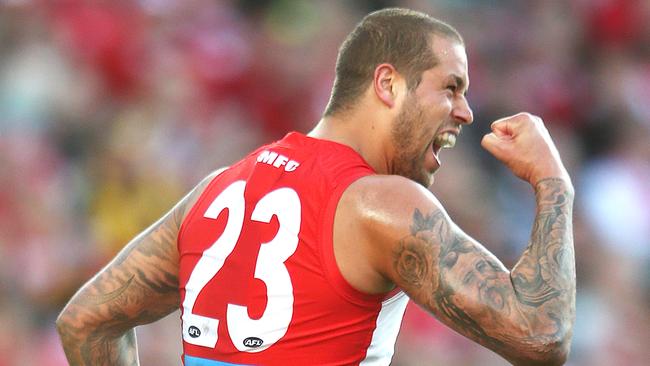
453, 88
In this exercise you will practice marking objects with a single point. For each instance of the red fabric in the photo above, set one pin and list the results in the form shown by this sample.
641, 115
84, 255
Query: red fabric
332, 323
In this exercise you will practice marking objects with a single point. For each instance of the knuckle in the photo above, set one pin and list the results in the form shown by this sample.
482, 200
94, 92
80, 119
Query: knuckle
520, 118
499, 121
523, 115
528, 117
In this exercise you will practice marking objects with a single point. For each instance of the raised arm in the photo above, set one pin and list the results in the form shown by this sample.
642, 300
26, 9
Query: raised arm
139, 286
526, 314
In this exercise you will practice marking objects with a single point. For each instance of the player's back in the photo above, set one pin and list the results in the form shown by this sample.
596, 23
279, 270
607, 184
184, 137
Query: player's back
258, 277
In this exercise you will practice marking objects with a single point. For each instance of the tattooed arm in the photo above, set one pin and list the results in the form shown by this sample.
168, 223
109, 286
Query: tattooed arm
137, 287
526, 315
401, 235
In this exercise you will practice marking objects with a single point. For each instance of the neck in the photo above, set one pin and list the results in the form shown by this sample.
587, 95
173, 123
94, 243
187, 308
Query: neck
360, 132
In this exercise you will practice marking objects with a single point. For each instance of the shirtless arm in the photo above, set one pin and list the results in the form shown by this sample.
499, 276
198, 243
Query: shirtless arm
526, 314
139, 286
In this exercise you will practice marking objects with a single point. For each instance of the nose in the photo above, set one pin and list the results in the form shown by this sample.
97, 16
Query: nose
461, 112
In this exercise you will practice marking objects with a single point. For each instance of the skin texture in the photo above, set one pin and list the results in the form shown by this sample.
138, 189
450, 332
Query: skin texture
437, 104
138, 287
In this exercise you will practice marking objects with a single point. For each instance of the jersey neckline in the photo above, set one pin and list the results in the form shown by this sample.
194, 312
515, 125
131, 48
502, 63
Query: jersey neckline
299, 137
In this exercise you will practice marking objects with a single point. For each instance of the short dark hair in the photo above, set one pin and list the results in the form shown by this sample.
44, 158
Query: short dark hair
400, 37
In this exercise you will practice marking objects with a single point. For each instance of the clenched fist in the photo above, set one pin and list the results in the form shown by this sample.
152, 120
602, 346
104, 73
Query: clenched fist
524, 145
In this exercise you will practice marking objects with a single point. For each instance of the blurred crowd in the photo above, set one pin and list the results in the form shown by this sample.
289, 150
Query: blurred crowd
111, 110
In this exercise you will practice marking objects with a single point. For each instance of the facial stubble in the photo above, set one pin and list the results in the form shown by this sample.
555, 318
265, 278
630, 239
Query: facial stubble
410, 149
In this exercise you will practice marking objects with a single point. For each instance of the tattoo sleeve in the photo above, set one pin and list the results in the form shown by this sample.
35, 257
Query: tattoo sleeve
525, 314
139, 286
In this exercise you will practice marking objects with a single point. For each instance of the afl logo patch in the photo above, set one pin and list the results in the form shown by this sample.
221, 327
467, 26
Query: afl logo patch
253, 342
194, 332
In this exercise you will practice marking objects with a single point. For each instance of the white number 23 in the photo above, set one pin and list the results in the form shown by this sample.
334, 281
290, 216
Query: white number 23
248, 335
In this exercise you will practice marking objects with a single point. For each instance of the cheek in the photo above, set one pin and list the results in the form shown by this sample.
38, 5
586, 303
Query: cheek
437, 108
431, 122
441, 106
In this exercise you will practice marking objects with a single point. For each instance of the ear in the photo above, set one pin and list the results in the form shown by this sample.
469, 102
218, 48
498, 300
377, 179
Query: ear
385, 84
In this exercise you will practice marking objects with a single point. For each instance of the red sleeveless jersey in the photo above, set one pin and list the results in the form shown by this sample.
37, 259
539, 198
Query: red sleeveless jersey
259, 283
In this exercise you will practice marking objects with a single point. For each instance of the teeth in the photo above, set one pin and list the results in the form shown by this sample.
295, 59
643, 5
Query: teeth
446, 140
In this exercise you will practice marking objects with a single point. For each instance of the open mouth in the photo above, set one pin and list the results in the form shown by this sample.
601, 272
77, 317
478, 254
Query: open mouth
444, 140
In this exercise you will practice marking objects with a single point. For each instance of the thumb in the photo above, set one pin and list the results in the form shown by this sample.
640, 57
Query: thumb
495, 145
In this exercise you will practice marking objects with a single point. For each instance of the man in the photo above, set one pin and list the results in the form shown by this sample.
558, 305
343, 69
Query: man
302, 252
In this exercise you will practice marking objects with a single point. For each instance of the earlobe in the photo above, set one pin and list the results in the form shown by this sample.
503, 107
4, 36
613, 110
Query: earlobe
384, 83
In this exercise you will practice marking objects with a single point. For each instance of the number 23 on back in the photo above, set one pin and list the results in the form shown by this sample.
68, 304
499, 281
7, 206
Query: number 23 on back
248, 335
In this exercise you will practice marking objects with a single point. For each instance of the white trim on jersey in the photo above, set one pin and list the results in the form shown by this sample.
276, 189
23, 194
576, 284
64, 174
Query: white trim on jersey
389, 321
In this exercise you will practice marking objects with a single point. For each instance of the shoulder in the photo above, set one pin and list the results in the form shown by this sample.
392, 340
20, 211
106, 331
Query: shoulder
182, 209
387, 201
373, 217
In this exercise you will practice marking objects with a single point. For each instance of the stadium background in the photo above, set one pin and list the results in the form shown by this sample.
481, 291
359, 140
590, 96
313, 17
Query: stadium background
111, 110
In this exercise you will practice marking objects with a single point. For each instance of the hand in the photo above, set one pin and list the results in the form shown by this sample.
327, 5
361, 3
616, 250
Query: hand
524, 145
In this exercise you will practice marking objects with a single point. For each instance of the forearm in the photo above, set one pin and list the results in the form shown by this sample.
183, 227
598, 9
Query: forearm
97, 325
98, 348
544, 278
95, 328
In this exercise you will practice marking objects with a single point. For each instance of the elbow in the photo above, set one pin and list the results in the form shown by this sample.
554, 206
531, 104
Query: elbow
72, 333
67, 325
549, 352
63, 323
554, 353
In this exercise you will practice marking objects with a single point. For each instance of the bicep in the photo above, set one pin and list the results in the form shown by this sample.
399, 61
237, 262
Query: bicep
415, 245
455, 278
444, 270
